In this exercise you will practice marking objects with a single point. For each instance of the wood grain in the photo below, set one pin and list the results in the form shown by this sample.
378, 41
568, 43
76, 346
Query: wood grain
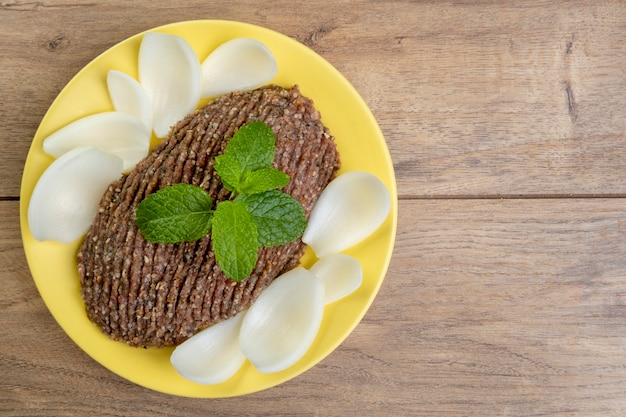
490, 98
465, 324
506, 292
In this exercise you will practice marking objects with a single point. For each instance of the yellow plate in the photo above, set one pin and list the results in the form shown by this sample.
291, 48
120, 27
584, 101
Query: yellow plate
360, 143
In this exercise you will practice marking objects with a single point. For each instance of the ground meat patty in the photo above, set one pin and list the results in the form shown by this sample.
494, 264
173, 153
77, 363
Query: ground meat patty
148, 294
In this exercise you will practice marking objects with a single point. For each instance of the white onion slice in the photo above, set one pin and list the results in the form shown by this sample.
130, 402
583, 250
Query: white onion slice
128, 96
170, 73
350, 208
213, 355
237, 65
341, 274
282, 323
65, 199
113, 132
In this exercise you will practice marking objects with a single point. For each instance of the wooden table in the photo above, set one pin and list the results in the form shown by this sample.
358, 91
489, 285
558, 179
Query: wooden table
506, 293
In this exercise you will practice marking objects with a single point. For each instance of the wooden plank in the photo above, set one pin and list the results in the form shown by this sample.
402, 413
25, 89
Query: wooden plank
485, 98
490, 307
510, 100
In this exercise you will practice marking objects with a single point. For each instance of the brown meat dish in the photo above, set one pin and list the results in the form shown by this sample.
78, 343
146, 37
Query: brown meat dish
147, 294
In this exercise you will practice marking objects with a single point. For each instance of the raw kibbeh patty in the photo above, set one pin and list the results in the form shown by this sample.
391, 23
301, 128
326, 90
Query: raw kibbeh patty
151, 294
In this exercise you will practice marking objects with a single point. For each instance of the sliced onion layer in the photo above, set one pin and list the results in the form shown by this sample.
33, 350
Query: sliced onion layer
170, 73
66, 197
237, 65
341, 274
213, 355
117, 133
128, 96
349, 209
282, 323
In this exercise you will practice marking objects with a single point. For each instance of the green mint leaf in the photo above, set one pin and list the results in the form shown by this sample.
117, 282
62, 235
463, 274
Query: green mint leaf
235, 241
179, 213
258, 215
263, 179
230, 171
253, 145
278, 216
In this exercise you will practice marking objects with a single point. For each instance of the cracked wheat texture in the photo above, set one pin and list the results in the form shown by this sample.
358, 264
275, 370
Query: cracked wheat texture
151, 294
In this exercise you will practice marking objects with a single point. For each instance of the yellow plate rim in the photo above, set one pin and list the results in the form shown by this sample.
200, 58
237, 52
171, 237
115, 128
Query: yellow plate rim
343, 111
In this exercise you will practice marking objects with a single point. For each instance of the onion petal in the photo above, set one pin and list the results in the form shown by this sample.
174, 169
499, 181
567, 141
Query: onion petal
65, 200
342, 274
114, 132
213, 355
282, 323
350, 208
237, 65
170, 73
128, 96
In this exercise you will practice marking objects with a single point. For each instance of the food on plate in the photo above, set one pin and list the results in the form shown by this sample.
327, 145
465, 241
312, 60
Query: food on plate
281, 325
277, 330
65, 199
236, 65
353, 206
117, 133
150, 286
257, 213
152, 294
213, 355
128, 96
170, 74
340, 273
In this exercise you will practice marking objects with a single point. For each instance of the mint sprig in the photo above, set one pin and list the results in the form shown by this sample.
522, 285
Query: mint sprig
235, 242
257, 214
277, 215
179, 213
